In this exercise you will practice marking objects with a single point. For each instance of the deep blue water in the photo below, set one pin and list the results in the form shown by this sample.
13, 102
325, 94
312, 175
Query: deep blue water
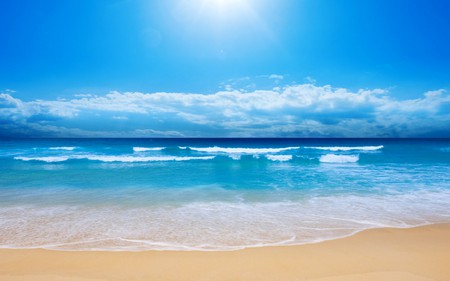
218, 194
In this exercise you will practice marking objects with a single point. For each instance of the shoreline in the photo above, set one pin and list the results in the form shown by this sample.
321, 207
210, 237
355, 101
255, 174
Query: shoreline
209, 250
417, 254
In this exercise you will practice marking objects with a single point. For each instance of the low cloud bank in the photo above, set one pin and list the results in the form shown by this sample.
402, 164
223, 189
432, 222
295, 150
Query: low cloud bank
304, 110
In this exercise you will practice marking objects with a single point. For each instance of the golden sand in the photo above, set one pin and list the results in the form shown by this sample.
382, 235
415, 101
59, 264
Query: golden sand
416, 254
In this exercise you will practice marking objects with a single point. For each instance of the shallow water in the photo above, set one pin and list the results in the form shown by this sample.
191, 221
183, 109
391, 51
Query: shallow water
215, 194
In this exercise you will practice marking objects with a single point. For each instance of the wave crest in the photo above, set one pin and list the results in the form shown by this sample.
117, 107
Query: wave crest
131, 159
333, 158
241, 150
48, 159
69, 148
280, 158
143, 149
346, 148
112, 158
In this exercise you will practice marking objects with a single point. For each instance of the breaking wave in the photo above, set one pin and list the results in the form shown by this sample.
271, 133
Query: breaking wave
111, 158
143, 149
333, 158
48, 159
280, 158
346, 148
69, 148
242, 150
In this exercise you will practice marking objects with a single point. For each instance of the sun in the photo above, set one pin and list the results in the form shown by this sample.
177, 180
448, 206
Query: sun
224, 3
224, 6
221, 19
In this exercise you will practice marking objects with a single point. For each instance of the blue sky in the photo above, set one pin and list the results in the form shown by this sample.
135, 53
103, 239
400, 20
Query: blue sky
224, 68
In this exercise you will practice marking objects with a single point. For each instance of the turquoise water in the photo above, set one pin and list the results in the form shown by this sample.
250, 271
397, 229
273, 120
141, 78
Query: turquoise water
215, 194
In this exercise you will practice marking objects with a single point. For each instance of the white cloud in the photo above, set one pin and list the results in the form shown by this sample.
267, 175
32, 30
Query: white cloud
6, 100
83, 95
299, 110
276, 77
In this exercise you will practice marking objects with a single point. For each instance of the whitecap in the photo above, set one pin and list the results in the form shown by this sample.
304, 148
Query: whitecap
281, 158
235, 156
241, 150
346, 148
130, 159
143, 149
333, 158
70, 148
48, 159
113, 158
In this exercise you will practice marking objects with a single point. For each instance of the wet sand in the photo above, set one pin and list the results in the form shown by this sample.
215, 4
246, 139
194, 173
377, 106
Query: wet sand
415, 254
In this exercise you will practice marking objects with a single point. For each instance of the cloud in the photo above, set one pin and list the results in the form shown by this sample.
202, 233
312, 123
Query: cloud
276, 77
7, 101
304, 110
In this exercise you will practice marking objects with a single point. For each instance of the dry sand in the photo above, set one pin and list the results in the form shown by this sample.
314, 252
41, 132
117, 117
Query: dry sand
416, 254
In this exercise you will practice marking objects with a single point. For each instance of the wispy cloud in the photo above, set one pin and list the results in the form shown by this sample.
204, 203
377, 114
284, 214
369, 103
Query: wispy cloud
304, 110
276, 77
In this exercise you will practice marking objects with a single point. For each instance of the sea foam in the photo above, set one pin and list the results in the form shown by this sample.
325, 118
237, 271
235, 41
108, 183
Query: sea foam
214, 225
280, 158
69, 148
333, 158
241, 150
113, 158
217, 204
143, 149
48, 159
346, 148
131, 159
235, 156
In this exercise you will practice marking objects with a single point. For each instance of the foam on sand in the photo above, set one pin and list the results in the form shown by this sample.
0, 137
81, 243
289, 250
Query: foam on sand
218, 225
333, 158
417, 254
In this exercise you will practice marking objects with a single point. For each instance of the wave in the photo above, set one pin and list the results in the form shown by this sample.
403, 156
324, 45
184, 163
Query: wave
70, 148
130, 159
214, 225
143, 149
281, 158
235, 156
48, 159
333, 158
346, 148
241, 150
112, 158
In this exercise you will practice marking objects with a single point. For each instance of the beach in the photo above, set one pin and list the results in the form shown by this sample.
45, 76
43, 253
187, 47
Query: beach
224, 209
413, 254
223, 140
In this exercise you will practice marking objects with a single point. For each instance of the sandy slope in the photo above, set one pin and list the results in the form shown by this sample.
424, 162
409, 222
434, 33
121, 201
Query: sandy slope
416, 254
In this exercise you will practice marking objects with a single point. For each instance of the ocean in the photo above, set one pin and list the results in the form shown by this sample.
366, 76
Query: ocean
215, 194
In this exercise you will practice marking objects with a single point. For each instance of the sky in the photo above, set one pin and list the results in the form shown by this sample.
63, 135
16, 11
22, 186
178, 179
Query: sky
224, 68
